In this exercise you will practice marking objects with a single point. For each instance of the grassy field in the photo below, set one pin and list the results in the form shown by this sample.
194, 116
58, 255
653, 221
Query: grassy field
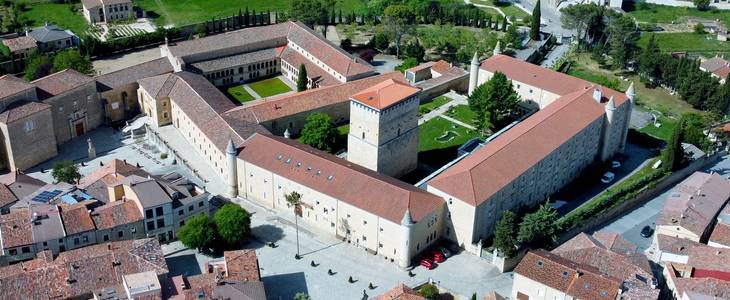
663, 132
506, 7
653, 13
652, 99
705, 44
61, 15
269, 87
182, 12
240, 94
436, 102
430, 131
463, 113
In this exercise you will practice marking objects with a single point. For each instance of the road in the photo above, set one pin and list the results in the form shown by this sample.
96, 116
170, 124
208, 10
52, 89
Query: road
550, 17
629, 225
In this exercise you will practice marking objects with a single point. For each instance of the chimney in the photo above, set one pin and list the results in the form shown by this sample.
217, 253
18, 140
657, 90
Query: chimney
597, 95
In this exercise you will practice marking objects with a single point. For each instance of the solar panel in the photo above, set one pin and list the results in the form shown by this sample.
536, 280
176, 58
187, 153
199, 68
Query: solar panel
46, 196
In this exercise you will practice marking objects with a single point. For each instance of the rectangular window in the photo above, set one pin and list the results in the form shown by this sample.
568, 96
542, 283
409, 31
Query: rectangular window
13, 251
76, 241
158, 211
148, 214
180, 212
150, 225
160, 223
106, 237
29, 125
190, 208
25, 250
121, 233
200, 204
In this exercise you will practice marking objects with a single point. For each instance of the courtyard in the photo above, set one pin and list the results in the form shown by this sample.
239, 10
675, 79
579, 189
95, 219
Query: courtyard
259, 89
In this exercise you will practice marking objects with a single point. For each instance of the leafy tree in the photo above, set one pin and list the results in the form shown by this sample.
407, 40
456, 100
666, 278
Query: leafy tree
381, 40
474, 296
535, 24
702, 4
319, 132
494, 100
198, 232
429, 291
302, 79
649, 61
673, 154
415, 50
37, 66
720, 100
408, 63
538, 228
301, 296
72, 59
4, 52
505, 234
399, 20
513, 38
581, 18
621, 37
309, 12
10, 21
693, 130
65, 171
233, 224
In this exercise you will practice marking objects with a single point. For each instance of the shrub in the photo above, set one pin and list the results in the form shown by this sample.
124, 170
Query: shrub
429, 291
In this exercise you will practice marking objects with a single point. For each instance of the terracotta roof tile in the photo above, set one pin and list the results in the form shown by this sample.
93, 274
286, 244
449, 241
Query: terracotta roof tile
280, 106
60, 82
21, 184
721, 234
321, 77
20, 110
116, 213
20, 43
703, 288
131, 74
580, 281
6, 196
675, 245
76, 219
713, 64
400, 292
15, 229
116, 168
695, 202
381, 195
534, 75
493, 296
385, 94
242, 265
441, 66
709, 258
11, 85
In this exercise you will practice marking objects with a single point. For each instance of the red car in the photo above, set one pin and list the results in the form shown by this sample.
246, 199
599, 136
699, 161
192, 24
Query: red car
438, 256
428, 263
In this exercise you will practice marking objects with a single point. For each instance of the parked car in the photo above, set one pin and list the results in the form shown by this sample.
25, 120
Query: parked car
607, 177
647, 231
438, 256
445, 251
615, 164
428, 263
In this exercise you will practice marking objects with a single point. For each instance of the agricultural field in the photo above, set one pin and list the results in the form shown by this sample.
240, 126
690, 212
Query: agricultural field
183, 12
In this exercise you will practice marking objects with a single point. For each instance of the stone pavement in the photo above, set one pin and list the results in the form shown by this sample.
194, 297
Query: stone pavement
121, 61
251, 91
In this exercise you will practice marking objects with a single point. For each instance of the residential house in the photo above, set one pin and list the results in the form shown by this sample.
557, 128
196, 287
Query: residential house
107, 11
400, 292
717, 66
52, 38
21, 47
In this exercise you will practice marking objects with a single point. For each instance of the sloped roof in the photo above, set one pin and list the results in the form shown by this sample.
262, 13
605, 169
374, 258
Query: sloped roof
48, 33
21, 184
133, 73
60, 82
363, 188
20, 110
76, 219
6, 196
15, 229
534, 75
11, 85
385, 94
721, 234
242, 265
116, 213
401, 292
20, 43
694, 202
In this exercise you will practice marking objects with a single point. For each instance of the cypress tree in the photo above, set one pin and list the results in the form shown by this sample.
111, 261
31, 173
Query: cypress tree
535, 24
240, 18
504, 23
673, 154
254, 18
246, 18
339, 17
302, 79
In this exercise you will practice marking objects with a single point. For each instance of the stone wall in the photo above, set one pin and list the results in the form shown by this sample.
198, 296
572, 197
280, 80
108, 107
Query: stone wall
18, 140
71, 106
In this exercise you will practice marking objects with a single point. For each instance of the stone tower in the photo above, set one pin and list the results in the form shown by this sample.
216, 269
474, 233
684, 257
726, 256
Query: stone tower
631, 94
404, 255
232, 170
473, 73
384, 128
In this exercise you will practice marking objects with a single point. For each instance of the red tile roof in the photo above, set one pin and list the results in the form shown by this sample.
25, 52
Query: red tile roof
578, 281
280, 106
6, 196
378, 194
117, 168
116, 213
76, 219
709, 258
60, 82
721, 234
480, 175
316, 73
242, 265
710, 288
20, 43
15, 229
401, 292
694, 203
11, 85
441, 66
385, 94
20, 110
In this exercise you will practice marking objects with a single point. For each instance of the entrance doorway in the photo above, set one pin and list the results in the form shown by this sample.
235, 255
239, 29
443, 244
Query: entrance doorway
79, 128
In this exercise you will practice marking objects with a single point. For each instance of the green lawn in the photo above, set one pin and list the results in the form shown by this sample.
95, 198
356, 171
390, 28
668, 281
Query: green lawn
429, 132
183, 12
269, 87
59, 14
506, 7
240, 94
663, 132
463, 113
436, 102
705, 44
653, 13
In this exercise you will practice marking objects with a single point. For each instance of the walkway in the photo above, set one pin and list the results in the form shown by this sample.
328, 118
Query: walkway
489, 6
251, 91
440, 111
